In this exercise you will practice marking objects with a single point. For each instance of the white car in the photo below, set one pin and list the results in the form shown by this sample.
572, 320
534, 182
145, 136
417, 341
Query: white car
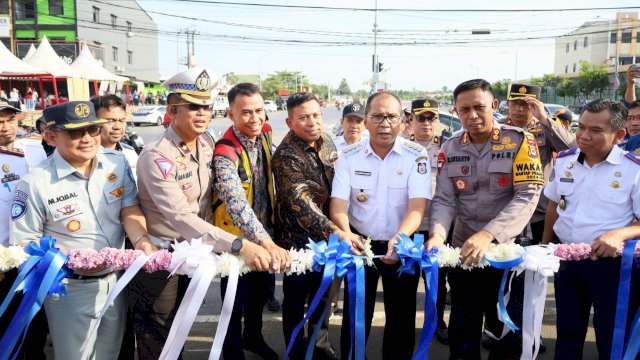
149, 115
551, 109
270, 106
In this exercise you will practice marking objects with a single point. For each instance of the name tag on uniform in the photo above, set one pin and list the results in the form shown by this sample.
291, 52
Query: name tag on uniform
363, 173
567, 180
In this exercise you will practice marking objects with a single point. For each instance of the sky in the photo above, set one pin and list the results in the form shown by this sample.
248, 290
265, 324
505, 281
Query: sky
420, 49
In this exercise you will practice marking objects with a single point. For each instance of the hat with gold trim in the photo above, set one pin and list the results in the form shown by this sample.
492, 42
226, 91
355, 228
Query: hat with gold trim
193, 85
519, 91
5, 104
421, 106
72, 115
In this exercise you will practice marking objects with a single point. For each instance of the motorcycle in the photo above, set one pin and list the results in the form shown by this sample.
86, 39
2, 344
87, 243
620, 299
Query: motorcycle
132, 138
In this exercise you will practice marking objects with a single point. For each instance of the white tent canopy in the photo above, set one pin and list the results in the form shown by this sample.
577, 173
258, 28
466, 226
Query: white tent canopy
12, 66
32, 50
46, 58
87, 67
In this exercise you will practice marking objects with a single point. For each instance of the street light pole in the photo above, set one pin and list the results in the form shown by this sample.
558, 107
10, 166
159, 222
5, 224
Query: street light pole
376, 70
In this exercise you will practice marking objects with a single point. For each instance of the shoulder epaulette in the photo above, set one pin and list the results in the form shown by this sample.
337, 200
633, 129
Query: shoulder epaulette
633, 156
11, 151
512, 128
414, 147
567, 152
351, 149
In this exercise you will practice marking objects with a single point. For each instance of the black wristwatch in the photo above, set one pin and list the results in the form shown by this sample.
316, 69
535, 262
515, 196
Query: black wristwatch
236, 246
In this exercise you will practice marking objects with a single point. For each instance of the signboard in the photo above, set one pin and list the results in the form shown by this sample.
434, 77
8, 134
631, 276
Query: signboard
5, 25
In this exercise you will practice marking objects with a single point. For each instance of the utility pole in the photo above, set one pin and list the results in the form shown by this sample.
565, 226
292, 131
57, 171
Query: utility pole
376, 68
190, 61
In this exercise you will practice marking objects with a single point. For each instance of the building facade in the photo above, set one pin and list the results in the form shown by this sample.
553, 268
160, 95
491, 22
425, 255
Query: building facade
599, 42
120, 34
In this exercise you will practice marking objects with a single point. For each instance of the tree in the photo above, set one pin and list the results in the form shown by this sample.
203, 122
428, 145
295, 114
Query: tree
501, 89
568, 87
291, 81
551, 80
232, 79
321, 91
592, 78
344, 89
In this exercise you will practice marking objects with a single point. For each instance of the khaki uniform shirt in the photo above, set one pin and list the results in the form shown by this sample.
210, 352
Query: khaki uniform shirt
176, 191
54, 199
550, 139
433, 148
478, 191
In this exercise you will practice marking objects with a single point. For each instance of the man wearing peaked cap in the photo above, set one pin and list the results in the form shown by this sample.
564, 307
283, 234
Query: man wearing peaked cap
16, 159
425, 122
526, 111
176, 195
352, 122
85, 197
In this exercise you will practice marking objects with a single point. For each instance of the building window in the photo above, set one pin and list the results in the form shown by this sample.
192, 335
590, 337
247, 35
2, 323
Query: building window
625, 60
96, 14
566, 69
25, 9
4, 6
574, 67
614, 38
114, 50
575, 45
586, 41
129, 26
567, 50
55, 7
626, 38
114, 21
130, 57
638, 37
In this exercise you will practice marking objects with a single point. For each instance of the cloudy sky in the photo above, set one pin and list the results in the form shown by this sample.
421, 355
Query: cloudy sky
330, 40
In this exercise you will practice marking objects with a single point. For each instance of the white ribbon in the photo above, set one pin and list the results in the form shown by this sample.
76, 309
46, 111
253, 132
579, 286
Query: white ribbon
227, 308
539, 263
197, 261
122, 283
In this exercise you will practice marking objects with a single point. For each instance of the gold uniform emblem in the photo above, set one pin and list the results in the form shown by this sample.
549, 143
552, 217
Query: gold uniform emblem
82, 110
6, 168
203, 82
562, 204
426, 104
362, 197
522, 90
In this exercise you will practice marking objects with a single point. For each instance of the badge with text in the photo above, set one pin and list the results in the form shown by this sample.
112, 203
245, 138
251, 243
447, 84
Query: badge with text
527, 169
112, 177
165, 165
117, 192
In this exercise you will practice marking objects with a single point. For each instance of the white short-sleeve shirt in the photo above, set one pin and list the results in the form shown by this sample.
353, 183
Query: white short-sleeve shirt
597, 199
387, 185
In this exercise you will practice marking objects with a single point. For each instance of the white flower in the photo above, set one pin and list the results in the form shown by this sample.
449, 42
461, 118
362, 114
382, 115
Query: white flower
367, 252
224, 264
12, 257
448, 256
504, 252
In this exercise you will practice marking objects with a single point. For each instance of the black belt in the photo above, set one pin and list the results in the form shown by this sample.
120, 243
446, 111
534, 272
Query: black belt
89, 277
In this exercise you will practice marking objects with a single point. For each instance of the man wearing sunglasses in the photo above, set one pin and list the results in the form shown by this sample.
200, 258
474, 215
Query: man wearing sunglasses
176, 195
526, 111
85, 197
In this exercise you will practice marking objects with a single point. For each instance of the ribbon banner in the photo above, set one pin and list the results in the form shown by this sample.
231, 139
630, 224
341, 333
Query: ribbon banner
413, 255
42, 274
622, 306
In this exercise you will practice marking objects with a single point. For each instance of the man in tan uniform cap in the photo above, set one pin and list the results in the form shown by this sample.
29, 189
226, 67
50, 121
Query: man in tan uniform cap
489, 181
175, 184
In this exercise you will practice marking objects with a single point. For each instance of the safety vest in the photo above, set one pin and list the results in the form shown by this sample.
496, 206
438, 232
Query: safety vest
230, 147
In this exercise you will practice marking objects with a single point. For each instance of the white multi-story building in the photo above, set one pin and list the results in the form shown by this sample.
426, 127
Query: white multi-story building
599, 42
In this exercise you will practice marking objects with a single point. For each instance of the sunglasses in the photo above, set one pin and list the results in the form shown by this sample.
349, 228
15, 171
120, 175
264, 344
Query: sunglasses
79, 133
430, 118
196, 107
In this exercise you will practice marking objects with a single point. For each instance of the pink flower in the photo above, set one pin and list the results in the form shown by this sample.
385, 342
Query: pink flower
160, 262
83, 259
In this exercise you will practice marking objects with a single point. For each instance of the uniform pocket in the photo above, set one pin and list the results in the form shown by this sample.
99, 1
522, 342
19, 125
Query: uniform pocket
501, 176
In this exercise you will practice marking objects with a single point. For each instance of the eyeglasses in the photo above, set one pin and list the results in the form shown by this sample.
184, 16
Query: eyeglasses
79, 133
196, 107
430, 118
391, 118
633, 118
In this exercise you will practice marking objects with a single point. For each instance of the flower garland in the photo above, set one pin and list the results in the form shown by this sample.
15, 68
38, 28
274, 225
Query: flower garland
301, 259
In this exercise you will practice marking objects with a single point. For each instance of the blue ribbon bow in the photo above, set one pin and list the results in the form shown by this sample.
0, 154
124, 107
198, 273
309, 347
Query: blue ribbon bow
336, 258
42, 274
622, 306
414, 255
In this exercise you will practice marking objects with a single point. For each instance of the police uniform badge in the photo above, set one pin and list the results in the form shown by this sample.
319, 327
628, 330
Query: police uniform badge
203, 82
422, 168
82, 110
362, 197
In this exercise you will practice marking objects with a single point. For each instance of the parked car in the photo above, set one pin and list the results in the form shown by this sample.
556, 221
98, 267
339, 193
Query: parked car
551, 109
220, 107
270, 106
149, 115
449, 124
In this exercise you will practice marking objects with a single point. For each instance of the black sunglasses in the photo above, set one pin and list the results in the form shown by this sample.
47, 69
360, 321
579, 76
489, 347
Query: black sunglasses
79, 133
422, 118
196, 107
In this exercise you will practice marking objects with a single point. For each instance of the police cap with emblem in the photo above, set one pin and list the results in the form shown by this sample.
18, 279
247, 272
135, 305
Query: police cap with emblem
355, 109
193, 85
519, 91
421, 106
6, 105
72, 115
564, 115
